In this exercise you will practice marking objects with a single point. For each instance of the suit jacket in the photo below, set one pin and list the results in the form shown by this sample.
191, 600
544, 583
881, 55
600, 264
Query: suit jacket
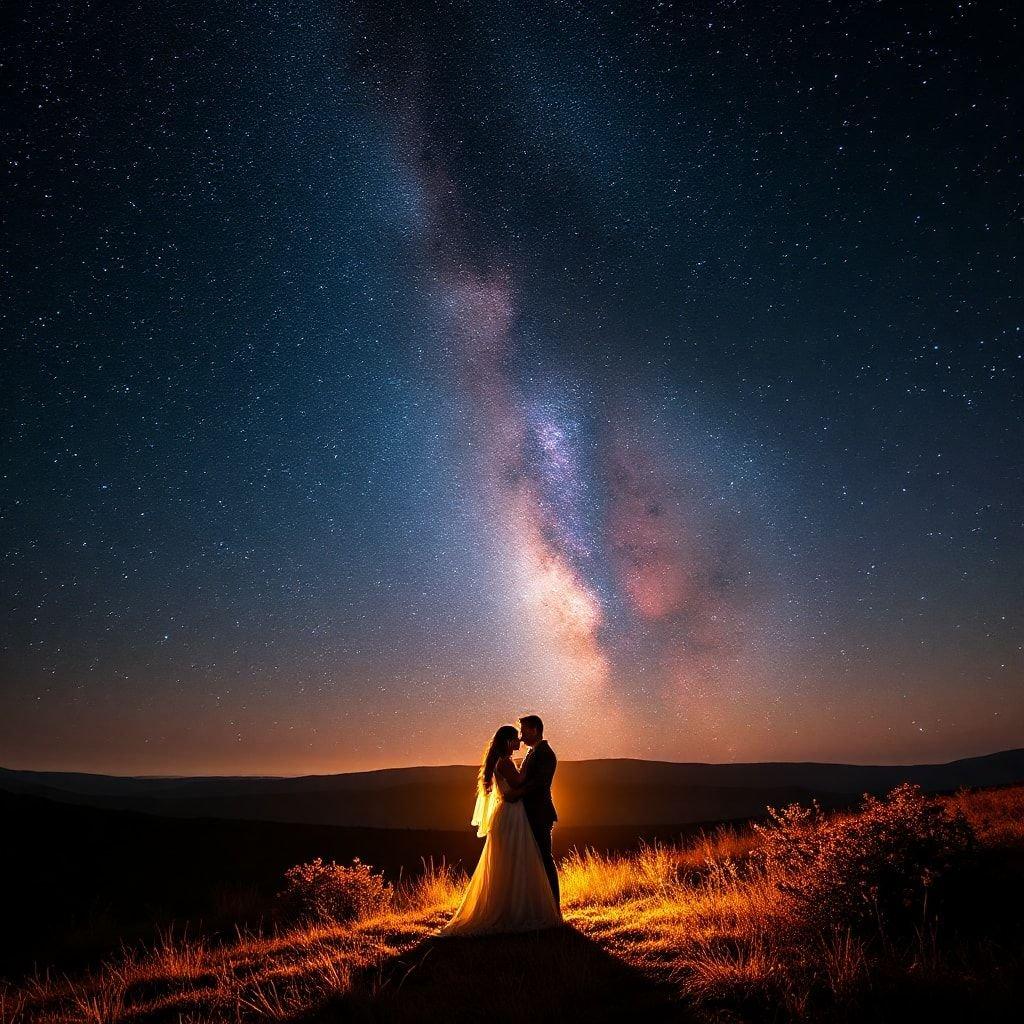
538, 771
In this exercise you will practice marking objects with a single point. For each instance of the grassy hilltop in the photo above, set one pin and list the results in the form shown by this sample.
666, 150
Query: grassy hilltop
908, 909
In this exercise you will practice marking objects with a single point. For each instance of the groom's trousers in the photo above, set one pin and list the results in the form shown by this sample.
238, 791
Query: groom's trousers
542, 833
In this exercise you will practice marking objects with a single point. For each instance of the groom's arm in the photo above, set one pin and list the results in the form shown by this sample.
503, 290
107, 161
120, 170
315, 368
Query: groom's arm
540, 775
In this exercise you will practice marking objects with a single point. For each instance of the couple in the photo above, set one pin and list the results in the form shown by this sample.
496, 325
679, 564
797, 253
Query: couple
515, 884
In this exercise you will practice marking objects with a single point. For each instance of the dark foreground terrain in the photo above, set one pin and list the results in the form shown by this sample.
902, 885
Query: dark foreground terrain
87, 879
907, 908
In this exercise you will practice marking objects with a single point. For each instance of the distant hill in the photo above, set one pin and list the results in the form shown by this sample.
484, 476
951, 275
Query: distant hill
618, 792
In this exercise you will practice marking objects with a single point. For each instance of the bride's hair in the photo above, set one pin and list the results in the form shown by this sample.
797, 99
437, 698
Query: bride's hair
493, 753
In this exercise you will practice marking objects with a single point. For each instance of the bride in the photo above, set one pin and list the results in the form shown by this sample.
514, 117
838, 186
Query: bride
509, 890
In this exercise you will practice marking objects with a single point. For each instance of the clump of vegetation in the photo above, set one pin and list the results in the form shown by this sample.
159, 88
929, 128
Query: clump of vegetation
739, 925
332, 893
875, 867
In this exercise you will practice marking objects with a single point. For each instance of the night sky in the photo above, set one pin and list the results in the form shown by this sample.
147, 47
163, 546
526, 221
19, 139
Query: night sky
373, 375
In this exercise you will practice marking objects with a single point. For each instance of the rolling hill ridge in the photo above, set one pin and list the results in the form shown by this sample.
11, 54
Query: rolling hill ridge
619, 792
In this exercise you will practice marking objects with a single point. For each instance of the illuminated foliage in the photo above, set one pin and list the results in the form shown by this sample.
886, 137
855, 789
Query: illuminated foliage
332, 892
877, 865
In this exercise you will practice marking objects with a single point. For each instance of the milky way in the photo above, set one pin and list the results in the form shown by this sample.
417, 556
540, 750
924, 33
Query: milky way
374, 375
585, 528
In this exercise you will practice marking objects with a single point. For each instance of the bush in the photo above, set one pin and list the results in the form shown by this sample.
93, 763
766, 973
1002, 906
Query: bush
877, 865
332, 893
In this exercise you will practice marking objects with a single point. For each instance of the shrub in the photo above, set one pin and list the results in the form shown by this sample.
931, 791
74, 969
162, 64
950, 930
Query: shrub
332, 893
878, 864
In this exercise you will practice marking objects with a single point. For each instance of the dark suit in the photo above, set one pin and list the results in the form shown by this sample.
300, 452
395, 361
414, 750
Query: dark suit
538, 771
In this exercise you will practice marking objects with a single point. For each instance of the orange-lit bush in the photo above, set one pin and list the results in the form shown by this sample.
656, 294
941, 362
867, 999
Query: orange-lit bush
332, 892
877, 865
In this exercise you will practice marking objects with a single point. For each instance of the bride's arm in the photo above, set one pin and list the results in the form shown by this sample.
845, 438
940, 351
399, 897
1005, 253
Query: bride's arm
514, 778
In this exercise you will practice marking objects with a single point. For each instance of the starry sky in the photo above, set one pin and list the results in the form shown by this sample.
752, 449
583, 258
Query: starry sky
373, 375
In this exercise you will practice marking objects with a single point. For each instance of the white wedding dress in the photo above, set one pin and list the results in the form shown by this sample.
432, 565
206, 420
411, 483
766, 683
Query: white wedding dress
509, 891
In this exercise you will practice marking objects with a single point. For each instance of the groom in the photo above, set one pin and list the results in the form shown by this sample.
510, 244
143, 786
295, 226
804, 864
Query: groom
535, 791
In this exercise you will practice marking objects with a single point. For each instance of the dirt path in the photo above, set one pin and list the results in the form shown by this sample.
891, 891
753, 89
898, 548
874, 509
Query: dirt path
557, 975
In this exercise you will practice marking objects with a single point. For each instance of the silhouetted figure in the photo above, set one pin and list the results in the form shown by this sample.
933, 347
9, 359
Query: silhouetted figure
537, 773
513, 887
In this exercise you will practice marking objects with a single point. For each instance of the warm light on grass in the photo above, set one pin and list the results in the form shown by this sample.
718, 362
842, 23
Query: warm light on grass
714, 920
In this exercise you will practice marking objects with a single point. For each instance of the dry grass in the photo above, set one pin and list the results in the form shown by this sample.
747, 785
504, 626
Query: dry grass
996, 815
709, 929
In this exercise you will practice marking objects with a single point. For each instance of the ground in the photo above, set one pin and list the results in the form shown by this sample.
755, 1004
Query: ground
714, 930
